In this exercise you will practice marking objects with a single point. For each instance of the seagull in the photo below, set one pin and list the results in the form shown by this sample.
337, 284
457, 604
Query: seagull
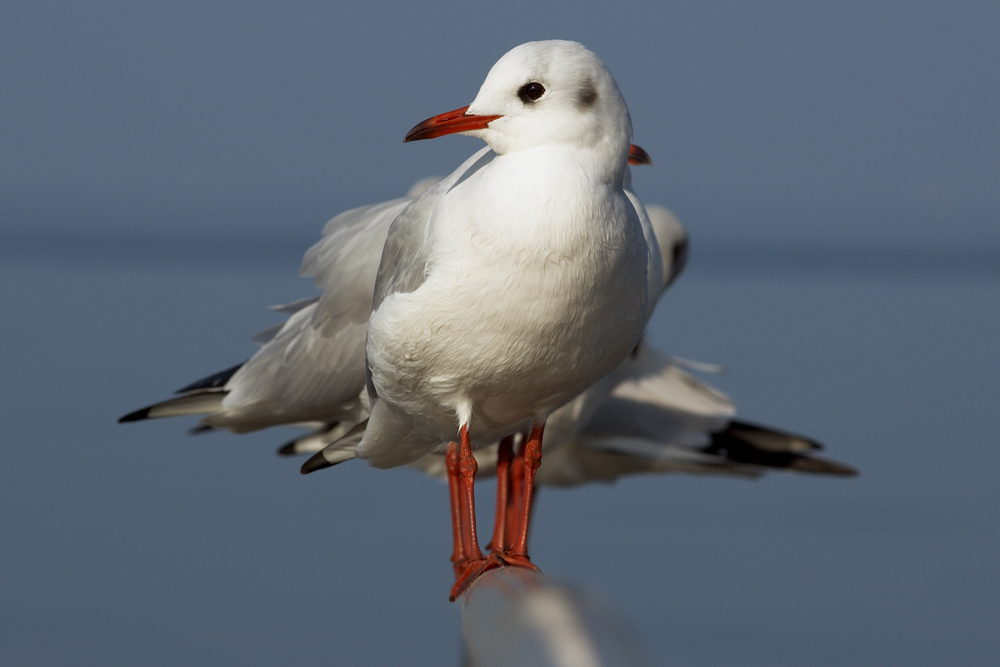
472, 304
665, 236
310, 370
513, 285
502, 292
647, 416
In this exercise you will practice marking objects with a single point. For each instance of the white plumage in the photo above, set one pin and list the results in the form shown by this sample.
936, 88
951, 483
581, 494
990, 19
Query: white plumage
500, 293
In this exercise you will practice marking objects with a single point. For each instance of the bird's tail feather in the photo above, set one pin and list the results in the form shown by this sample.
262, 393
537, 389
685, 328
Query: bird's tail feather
336, 452
316, 440
750, 444
199, 403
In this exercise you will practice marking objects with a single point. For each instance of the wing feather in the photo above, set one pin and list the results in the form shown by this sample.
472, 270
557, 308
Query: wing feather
312, 367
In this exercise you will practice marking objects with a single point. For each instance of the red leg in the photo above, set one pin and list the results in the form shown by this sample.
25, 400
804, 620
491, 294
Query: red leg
476, 563
505, 452
468, 467
532, 459
515, 551
458, 557
516, 491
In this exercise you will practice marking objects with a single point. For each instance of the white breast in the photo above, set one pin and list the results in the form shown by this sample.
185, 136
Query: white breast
536, 288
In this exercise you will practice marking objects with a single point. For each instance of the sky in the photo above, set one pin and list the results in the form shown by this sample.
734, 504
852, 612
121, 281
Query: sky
163, 166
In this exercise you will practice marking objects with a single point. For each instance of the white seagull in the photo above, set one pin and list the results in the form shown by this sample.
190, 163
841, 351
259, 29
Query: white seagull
503, 292
514, 284
310, 371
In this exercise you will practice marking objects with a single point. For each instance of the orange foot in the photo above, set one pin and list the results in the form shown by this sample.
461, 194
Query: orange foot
480, 566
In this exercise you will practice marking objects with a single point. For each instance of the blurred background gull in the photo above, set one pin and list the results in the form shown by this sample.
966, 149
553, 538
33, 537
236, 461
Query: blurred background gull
164, 166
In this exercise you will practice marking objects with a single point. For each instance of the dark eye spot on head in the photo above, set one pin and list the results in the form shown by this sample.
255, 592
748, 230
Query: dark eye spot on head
678, 259
587, 95
530, 92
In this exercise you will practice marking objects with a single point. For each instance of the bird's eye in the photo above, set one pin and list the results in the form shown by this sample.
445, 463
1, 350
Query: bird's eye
530, 92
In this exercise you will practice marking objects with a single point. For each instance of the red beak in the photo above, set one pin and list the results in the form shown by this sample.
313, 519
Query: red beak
637, 156
448, 123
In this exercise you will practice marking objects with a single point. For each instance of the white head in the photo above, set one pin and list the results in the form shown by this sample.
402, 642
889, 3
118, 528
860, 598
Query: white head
539, 94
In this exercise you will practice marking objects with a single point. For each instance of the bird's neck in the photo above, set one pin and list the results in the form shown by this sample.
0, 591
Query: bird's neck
543, 200
557, 166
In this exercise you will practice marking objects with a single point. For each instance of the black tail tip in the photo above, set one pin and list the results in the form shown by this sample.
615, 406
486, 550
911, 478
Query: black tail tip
819, 466
138, 415
316, 462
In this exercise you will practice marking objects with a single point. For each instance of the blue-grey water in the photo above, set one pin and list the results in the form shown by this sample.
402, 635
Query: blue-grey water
137, 544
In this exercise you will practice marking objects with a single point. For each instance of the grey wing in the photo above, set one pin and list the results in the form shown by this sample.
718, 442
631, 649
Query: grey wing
656, 419
654, 267
268, 334
345, 262
312, 367
403, 263
403, 267
663, 232
656, 402
667, 241
661, 419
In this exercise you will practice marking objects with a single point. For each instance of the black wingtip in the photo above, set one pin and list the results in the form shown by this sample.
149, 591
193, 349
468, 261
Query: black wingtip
288, 449
316, 462
213, 381
747, 443
816, 465
138, 415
